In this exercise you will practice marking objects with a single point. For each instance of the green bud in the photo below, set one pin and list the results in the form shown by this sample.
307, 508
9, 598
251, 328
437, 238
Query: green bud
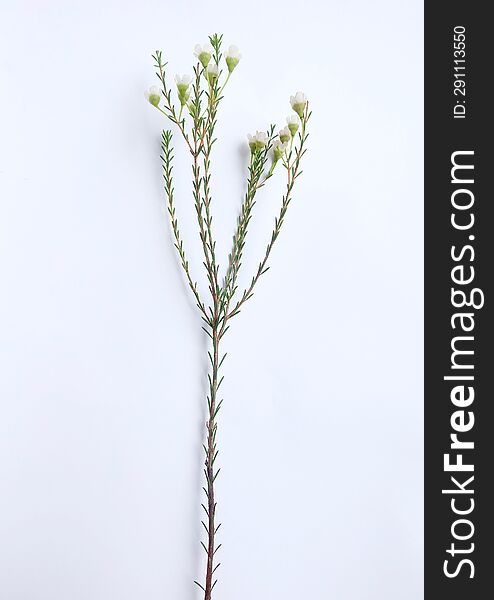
277, 154
293, 127
212, 73
299, 108
278, 149
183, 93
257, 142
183, 97
232, 57
204, 58
192, 109
299, 102
204, 53
285, 135
153, 95
231, 63
183, 83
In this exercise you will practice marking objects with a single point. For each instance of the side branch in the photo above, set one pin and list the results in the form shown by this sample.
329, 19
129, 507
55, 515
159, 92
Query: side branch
167, 158
293, 171
170, 111
202, 220
205, 145
257, 164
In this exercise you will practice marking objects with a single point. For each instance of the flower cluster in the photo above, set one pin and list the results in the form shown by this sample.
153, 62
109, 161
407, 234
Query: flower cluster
285, 137
204, 54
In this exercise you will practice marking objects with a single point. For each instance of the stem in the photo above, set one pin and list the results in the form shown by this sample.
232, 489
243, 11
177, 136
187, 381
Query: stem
204, 143
224, 85
211, 453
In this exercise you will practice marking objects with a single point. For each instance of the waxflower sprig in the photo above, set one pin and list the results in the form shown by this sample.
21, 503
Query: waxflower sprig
193, 108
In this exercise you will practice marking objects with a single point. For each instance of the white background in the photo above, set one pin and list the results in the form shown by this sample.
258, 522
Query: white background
102, 360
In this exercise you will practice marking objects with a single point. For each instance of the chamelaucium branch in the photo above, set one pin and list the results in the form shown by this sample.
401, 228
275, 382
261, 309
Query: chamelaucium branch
195, 117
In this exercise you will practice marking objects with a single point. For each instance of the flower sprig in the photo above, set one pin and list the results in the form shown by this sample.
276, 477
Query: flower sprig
199, 97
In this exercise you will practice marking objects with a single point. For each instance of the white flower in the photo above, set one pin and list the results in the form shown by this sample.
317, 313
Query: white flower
212, 72
257, 141
285, 134
232, 57
204, 53
298, 103
183, 84
183, 80
293, 120
153, 95
278, 148
293, 124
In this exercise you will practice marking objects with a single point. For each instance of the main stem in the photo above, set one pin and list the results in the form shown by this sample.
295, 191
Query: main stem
210, 457
216, 333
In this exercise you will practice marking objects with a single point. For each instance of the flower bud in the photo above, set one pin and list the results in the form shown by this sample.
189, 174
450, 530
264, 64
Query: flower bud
191, 107
278, 150
204, 53
257, 141
183, 84
212, 73
298, 103
232, 57
293, 124
285, 135
153, 95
